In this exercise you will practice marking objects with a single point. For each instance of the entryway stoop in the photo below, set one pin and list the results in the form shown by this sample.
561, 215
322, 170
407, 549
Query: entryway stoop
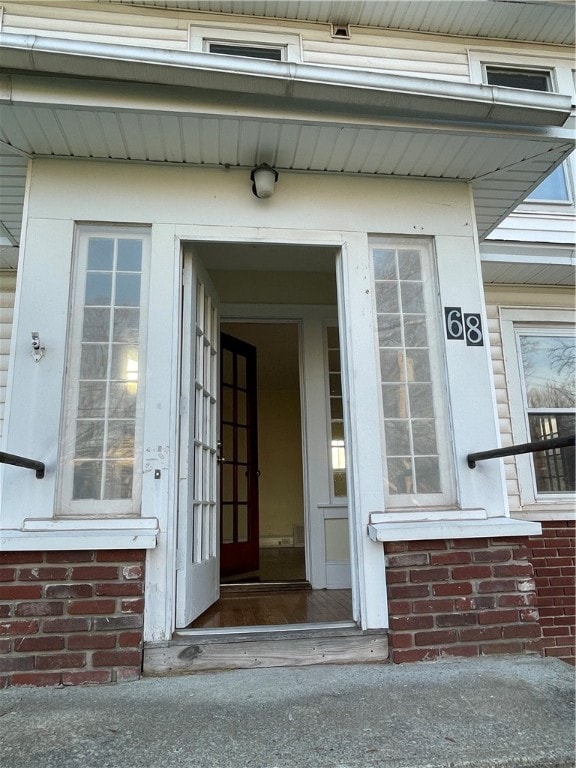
190, 652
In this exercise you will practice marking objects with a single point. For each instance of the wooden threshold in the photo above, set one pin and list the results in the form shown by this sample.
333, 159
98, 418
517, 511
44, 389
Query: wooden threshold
295, 646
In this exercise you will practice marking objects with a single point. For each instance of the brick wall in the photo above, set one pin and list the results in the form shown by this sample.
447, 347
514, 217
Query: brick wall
553, 558
68, 618
467, 597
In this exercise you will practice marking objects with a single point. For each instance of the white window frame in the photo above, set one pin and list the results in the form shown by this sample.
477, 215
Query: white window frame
67, 506
201, 35
561, 78
447, 498
513, 321
334, 499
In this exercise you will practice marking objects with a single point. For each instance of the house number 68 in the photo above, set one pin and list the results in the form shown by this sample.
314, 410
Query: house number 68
463, 325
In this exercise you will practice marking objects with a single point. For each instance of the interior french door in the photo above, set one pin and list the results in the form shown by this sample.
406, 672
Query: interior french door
239, 523
198, 568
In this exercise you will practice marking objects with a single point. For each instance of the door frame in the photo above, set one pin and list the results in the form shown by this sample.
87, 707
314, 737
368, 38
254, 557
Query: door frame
366, 493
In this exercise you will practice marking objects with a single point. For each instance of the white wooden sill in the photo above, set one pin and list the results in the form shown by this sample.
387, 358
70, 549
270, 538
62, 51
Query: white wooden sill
81, 534
446, 524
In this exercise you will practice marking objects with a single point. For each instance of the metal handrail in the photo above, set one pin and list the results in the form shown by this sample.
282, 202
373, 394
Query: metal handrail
514, 450
21, 461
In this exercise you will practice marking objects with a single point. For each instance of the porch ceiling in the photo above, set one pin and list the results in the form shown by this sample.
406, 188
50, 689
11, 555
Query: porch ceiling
499, 140
536, 21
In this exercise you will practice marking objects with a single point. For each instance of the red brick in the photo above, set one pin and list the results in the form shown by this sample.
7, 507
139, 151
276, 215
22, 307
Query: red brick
440, 637
401, 640
429, 574
95, 573
396, 607
37, 678
433, 606
415, 654
411, 622
492, 556
497, 586
129, 639
9, 558
39, 643
500, 648
395, 546
470, 544
44, 608
396, 577
564, 653
7, 574
407, 559
42, 574
456, 620
87, 677
16, 663
124, 658
561, 581
402, 591
119, 589
478, 602
521, 630
472, 572
111, 623
18, 627
133, 605
450, 558
66, 624
61, 661
480, 634
69, 590
90, 607
529, 614
130, 572
509, 601
121, 556
127, 675
498, 617
426, 546
451, 588
20, 592
5, 610
553, 543
540, 573
5, 644
460, 650
69, 557
554, 631
90, 642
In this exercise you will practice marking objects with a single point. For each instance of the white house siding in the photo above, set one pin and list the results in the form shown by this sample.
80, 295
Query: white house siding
7, 291
418, 55
511, 296
539, 226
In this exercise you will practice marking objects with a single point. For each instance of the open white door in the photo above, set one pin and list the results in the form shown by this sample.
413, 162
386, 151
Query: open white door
198, 558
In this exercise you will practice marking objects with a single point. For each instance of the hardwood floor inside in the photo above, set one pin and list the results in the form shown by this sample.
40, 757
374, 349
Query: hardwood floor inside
276, 607
277, 594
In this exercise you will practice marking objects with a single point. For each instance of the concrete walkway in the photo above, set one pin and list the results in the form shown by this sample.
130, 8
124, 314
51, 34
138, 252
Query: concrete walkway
514, 711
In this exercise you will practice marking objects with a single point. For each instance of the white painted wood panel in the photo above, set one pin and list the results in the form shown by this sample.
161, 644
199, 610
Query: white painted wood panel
7, 292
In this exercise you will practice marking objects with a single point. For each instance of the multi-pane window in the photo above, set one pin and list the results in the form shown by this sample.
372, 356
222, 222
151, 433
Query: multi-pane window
337, 445
412, 374
548, 381
554, 188
101, 443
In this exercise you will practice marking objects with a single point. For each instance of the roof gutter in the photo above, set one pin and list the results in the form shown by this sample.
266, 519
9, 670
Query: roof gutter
360, 90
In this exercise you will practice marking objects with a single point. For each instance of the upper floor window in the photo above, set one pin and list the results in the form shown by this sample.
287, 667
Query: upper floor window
554, 188
101, 449
245, 40
248, 51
